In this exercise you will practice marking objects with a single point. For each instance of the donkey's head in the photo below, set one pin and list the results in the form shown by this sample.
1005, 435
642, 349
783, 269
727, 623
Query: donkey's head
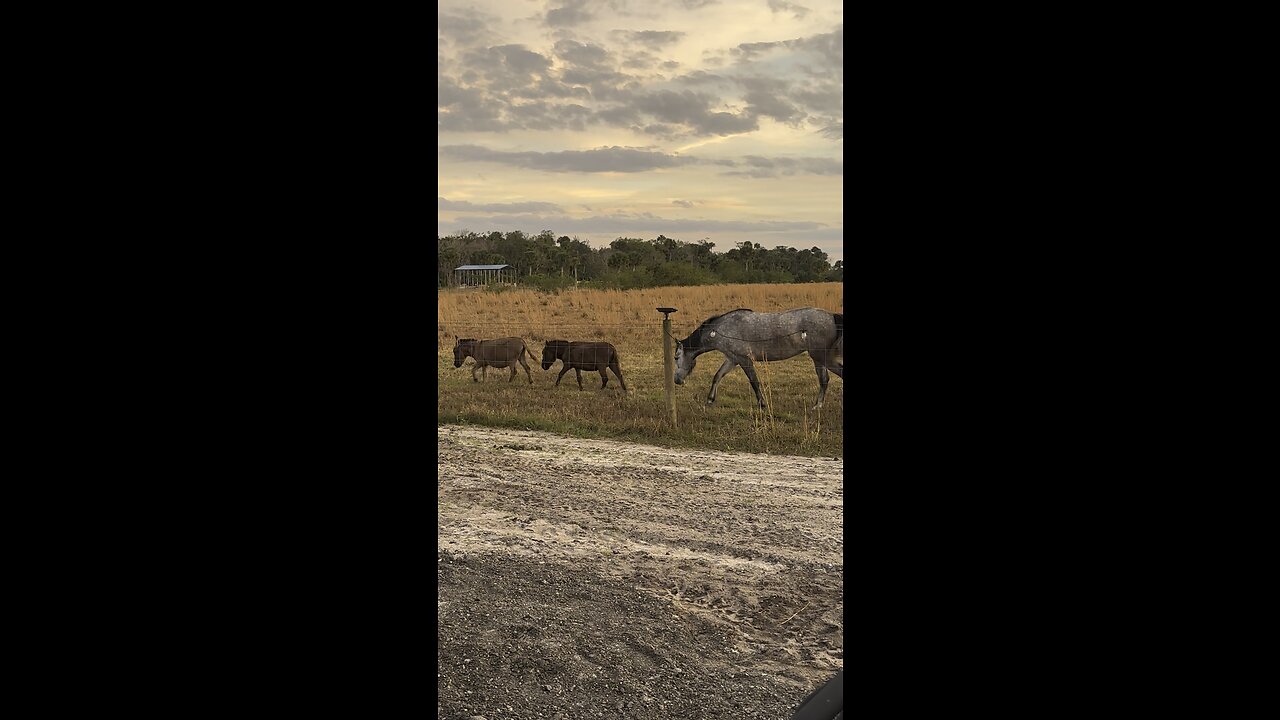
554, 350
465, 348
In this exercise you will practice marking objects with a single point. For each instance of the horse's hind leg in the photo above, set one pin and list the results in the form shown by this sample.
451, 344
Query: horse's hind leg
835, 358
822, 383
579, 372
748, 367
604, 379
513, 373
725, 368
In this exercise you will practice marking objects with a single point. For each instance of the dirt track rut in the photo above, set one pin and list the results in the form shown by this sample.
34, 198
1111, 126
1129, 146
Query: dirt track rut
597, 578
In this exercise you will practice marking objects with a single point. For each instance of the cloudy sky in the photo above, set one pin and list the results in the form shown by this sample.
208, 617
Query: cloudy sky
719, 119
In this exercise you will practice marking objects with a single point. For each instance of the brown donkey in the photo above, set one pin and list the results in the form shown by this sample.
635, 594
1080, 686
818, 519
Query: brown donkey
579, 356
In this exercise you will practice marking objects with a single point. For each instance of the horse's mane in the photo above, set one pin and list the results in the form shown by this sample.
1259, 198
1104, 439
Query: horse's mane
717, 317
695, 337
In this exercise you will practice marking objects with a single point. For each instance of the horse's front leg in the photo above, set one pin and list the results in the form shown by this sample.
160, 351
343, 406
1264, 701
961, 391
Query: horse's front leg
473, 374
578, 371
727, 366
559, 377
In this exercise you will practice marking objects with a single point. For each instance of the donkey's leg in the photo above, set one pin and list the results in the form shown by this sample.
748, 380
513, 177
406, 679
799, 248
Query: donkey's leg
838, 369
616, 371
725, 368
579, 372
564, 370
748, 367
524, 365
604, 379
513, 373
473, 374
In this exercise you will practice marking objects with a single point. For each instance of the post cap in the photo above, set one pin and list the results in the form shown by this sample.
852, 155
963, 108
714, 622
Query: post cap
666, 310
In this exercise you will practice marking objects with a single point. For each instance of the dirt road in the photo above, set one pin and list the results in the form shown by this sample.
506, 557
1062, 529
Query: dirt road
594, 578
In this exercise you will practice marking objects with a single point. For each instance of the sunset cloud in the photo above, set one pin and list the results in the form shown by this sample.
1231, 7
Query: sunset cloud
639, 105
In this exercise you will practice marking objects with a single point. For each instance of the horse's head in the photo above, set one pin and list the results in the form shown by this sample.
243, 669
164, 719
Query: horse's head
463, 350
553, 351
684, 363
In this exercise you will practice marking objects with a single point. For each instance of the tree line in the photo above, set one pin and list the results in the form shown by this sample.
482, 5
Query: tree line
548, 262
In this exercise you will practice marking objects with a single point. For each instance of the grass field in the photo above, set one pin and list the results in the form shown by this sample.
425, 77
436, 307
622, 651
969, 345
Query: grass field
629, 320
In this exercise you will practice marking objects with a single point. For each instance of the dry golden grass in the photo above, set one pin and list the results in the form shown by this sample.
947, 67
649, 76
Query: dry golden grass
630, 321
616, 316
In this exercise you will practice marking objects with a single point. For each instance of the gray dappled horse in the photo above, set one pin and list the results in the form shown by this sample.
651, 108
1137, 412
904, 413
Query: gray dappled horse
747, 337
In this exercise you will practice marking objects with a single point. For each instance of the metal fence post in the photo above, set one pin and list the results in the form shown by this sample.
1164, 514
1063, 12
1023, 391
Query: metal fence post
669, 362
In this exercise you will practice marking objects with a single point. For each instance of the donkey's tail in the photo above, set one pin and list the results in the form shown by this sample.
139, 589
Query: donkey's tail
531, 355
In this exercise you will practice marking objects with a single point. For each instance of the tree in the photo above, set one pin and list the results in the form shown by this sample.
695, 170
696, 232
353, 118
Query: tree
748, 252
446, 261
669, 248
701, 254
836, 274
632, 262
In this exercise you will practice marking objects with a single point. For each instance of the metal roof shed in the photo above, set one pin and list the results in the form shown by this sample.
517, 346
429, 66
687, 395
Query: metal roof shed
483, 274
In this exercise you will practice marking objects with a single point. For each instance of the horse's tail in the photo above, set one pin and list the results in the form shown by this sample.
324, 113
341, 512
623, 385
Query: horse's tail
531, 355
